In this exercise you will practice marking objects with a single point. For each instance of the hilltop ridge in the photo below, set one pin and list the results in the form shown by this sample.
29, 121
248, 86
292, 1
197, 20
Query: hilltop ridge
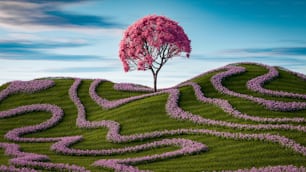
240, 116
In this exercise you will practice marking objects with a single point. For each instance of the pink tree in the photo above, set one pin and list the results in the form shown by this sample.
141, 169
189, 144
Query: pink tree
150, 42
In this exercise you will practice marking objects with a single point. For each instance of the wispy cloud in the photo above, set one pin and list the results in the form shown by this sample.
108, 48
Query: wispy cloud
297, 51
27, 50
45, 56
289, 57
45, 14
21, 44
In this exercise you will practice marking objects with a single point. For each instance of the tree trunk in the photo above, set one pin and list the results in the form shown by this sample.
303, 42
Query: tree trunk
155, 81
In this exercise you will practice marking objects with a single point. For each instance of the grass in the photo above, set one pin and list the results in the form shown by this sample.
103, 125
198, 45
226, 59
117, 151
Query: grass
148, 114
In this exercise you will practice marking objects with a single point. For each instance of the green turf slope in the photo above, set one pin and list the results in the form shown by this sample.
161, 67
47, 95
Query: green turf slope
149, 114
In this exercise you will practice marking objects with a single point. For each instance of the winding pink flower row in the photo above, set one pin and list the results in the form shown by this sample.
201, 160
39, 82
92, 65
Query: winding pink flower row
112, 104
174, 111
119, 164
228, 108
300, 75
31, 159
132, 87
25, 87
279, 168
217, 79
256, 84
63, 144
14, 169
15, 134
187, 146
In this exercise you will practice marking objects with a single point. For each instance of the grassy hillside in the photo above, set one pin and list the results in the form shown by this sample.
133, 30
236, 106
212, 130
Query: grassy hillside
151, 113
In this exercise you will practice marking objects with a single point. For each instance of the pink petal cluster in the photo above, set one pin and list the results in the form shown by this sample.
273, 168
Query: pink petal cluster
150, 38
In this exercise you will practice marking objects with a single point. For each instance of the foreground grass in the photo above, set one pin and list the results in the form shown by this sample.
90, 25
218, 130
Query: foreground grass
147, 115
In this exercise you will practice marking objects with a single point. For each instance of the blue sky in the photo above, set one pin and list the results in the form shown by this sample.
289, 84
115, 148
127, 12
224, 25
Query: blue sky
80, 38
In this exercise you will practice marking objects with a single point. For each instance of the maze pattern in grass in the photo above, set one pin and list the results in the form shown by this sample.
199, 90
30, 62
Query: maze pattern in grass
215, 121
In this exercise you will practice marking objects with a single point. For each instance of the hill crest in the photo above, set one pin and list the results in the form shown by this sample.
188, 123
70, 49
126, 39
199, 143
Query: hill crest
174, 108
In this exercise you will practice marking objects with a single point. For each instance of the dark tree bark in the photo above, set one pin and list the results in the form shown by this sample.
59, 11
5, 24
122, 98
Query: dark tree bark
155, 82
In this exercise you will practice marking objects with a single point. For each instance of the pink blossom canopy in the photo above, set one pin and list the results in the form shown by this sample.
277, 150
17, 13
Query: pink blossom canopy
150, 39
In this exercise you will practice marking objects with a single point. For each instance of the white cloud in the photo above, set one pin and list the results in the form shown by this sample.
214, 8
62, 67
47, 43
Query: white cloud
25, 16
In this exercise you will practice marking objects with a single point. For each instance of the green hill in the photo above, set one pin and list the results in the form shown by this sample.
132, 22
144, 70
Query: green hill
240, 116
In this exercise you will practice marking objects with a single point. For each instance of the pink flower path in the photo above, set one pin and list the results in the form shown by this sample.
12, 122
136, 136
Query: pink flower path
30, 161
